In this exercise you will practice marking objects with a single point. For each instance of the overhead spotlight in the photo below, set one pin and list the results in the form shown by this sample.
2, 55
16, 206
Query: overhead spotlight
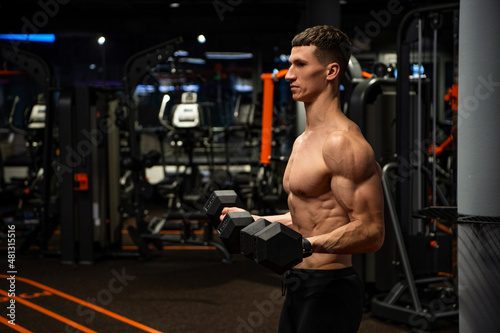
181, 53
175, 5
196, 61
43, 38
228, 55
201, 39
101, 40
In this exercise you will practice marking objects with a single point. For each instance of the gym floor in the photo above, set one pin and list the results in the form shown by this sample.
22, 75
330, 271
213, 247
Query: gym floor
177, 290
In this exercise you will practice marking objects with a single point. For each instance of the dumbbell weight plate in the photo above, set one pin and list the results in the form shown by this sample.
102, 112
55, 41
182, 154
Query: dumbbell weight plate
246, 237
230, 227
216, 203
278, 247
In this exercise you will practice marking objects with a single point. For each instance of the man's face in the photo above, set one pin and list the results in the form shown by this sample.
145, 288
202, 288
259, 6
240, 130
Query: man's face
306, 75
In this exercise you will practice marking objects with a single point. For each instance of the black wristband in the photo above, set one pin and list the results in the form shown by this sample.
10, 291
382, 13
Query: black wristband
306, 248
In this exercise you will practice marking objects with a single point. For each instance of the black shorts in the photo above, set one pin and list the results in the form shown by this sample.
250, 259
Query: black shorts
322, 301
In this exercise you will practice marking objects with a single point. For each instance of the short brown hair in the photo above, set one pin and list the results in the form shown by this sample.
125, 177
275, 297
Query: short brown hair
332, 45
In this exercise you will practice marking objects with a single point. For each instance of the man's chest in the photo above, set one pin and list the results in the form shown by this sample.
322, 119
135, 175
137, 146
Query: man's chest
306, 173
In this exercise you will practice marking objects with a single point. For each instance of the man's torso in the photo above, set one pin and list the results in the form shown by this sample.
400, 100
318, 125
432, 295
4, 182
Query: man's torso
313, 206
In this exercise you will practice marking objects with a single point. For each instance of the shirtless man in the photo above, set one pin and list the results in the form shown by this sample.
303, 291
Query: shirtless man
334, 192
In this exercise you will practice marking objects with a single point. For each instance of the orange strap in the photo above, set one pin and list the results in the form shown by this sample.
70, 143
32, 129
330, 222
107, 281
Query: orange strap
267, 113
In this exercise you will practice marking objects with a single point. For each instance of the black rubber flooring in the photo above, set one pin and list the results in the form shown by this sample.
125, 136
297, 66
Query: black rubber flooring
174, 291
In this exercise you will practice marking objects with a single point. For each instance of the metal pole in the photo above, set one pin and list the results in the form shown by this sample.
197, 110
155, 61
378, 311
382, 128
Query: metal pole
478, 159
434, 116
419, 116
399, 236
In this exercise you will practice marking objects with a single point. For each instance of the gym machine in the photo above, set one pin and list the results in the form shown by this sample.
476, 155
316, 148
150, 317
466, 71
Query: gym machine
71, 136
420, 302
86, 168
269, 175
421, 231
42, 116
26, 189
186, 117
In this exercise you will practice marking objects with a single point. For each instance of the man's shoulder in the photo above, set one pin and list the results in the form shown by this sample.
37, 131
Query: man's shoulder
349, 140
348, 152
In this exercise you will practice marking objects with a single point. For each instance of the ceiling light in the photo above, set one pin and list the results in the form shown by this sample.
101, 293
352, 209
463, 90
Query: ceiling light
228, 55
201, 39
181, 53
44, 38
196, 61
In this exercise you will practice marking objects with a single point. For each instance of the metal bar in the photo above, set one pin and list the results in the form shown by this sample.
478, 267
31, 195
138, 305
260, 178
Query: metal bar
403, 133
64, 170
419, 116
84, 199
399, 236
434, 117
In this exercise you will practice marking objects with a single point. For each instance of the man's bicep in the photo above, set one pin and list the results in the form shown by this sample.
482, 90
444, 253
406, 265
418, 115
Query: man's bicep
360, 199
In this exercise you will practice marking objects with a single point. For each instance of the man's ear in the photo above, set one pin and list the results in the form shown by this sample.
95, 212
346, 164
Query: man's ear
333, 71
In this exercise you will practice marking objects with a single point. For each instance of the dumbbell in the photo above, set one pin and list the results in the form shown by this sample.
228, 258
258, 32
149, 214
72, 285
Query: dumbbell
230, 228
279, 248
273, 245
216, 203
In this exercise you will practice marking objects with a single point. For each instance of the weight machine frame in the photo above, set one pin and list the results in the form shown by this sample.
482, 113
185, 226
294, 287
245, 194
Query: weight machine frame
395, 305
42, 73
390, 305
136, 68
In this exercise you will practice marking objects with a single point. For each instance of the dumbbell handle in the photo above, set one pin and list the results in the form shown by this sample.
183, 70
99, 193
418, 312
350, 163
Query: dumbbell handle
306, 248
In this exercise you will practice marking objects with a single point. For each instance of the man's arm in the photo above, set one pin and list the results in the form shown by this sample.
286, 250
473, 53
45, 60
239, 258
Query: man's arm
357, 188
286, 219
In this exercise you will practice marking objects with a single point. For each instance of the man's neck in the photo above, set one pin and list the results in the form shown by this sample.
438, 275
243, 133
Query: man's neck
323, 112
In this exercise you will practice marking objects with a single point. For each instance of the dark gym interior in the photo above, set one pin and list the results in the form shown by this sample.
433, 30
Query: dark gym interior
119, 120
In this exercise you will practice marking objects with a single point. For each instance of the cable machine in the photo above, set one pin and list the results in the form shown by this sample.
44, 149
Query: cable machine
423, 233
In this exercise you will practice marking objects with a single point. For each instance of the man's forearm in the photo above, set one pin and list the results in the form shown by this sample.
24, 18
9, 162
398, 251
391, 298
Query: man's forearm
354, 237
285, 219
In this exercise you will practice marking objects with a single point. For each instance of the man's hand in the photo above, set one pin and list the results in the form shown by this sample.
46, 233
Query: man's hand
226, 210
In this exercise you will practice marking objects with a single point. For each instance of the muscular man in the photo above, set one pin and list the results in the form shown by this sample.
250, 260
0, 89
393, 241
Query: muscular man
334, 192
